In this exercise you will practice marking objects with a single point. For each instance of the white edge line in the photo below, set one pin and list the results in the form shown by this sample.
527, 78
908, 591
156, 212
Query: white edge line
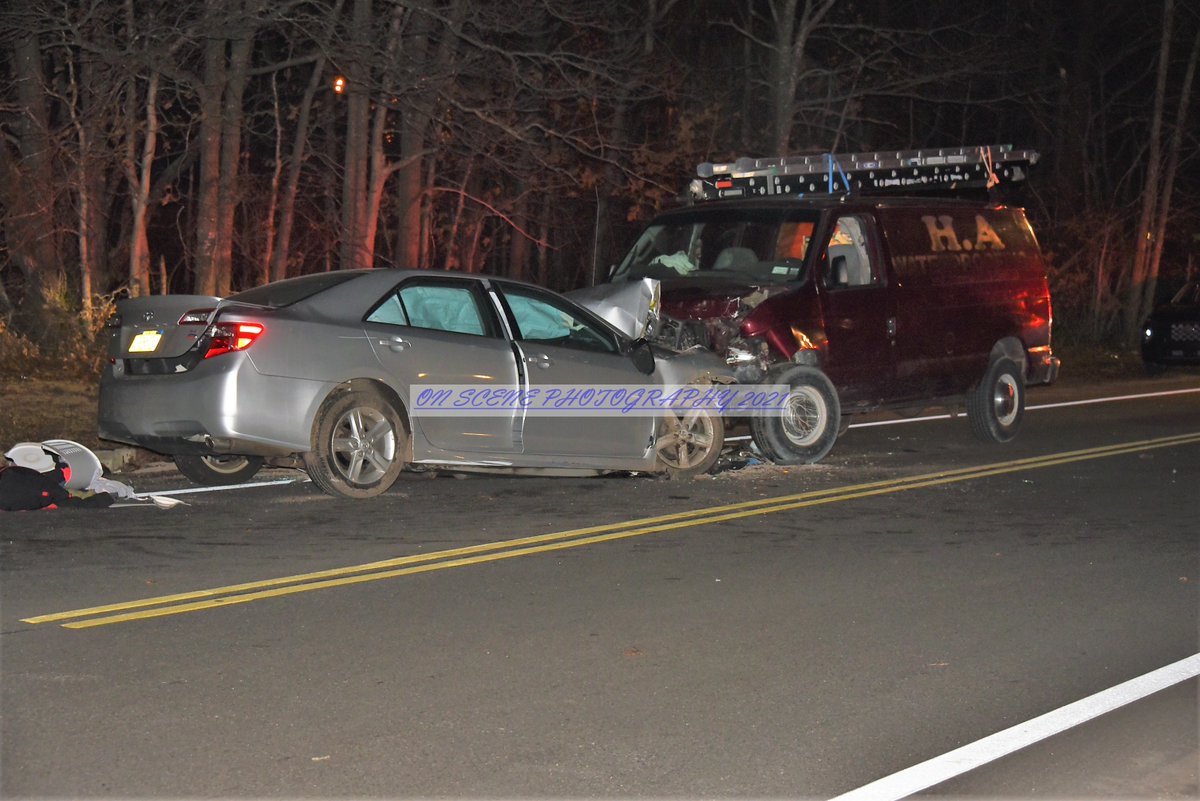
191, 490
954, 763
1040, 406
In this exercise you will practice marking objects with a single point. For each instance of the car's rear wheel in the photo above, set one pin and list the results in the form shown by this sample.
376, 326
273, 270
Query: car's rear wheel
997, 404
215, 471
804, 430
688, 445
358, 445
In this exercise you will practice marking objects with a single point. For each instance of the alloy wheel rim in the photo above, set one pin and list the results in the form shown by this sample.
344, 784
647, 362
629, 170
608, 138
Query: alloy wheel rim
685, 441
363, 446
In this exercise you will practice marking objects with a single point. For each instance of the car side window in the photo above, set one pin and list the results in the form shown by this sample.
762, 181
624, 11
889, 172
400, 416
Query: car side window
541, 318
438, 307
849, 261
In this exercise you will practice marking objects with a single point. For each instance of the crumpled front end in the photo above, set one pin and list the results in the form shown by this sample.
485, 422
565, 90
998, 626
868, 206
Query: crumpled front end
632, 307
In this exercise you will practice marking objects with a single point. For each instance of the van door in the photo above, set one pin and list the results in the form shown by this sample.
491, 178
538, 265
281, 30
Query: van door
857, 308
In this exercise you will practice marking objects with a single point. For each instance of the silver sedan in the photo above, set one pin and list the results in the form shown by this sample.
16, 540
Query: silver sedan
324, 372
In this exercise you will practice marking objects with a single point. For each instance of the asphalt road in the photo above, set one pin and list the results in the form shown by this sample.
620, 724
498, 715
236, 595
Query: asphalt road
764, 632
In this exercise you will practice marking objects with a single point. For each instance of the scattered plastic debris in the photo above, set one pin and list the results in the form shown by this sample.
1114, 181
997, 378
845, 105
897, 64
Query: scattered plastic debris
58, 473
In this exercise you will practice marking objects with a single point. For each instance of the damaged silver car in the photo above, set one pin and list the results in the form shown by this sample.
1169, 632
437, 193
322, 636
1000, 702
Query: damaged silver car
321, 372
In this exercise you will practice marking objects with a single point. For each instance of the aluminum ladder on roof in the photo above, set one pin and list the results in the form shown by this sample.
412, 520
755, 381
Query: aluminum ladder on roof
869, 173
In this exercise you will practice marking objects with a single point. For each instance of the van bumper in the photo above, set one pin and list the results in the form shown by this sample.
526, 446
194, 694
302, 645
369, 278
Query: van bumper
1043, 367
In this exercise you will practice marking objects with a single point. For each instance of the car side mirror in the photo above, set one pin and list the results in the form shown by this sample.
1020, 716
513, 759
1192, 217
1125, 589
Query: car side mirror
642, 355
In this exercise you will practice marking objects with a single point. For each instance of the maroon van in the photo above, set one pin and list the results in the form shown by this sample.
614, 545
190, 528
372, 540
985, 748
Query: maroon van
856, 301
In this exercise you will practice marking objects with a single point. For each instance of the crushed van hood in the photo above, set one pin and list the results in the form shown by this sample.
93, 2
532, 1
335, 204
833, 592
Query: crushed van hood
687, 300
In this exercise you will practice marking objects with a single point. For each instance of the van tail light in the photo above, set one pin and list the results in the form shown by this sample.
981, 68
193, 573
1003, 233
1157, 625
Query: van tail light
226, 337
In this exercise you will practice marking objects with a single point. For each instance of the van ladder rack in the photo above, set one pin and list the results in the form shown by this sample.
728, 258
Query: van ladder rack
870, 173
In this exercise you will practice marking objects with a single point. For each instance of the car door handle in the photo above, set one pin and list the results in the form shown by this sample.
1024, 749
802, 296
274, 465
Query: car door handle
396, 344
541, 360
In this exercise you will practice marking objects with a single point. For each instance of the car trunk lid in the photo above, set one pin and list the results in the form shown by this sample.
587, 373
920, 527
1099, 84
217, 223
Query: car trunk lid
158, 326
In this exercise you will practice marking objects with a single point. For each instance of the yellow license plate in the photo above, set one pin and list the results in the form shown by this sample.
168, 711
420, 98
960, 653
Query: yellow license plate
145, 342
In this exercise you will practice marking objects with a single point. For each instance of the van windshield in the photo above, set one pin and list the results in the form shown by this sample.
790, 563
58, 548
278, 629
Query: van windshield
755, 246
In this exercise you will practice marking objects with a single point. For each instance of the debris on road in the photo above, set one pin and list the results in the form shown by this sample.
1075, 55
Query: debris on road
57, 473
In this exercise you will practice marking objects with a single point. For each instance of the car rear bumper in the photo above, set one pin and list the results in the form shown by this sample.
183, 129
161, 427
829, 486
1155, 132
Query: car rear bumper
226, 407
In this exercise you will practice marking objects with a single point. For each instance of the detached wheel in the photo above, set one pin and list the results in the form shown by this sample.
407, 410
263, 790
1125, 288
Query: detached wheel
997, 404
215, 471
805, 429
358, 445
689, 445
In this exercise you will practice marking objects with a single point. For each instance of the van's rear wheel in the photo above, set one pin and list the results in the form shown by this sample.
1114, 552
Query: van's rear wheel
216, 471
807, 426
997, 404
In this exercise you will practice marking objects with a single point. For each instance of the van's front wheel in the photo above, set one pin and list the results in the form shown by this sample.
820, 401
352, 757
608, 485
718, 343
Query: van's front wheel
997, 404
804, 430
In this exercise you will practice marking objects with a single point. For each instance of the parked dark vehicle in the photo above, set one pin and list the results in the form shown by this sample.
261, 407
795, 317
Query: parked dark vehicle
1171, 334
857, 301
319, 372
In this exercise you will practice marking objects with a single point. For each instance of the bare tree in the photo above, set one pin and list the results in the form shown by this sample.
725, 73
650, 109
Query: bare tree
28, 191
1162, 161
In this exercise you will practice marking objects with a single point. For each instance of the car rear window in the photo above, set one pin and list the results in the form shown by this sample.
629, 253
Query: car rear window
293, 290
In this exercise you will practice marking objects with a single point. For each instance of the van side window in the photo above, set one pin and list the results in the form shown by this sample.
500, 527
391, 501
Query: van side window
849, 261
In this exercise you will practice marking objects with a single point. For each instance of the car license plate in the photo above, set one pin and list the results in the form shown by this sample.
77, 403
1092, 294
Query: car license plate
145, 342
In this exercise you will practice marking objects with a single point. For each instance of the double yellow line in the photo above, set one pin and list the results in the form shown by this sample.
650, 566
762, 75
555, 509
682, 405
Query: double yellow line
524, 546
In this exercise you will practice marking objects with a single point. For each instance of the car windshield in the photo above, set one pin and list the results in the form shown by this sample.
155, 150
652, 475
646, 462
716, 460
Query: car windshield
761, 246
293, 290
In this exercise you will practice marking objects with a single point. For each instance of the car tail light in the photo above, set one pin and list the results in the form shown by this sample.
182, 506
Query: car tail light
226, 337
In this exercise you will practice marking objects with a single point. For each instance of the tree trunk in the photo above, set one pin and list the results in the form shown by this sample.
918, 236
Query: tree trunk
1174, 152
793, 29
208, 192
287, 206
232, 118
358, 131
27, 192
1151, 206
139, 171
89, 234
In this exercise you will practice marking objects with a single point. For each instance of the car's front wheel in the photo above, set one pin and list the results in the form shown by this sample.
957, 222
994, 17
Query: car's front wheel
216, 471
689, 444
358, 445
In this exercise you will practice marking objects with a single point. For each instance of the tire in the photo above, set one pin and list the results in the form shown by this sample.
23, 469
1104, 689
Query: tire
689, 445
358, 445
216, 471
996, 405
804, 431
